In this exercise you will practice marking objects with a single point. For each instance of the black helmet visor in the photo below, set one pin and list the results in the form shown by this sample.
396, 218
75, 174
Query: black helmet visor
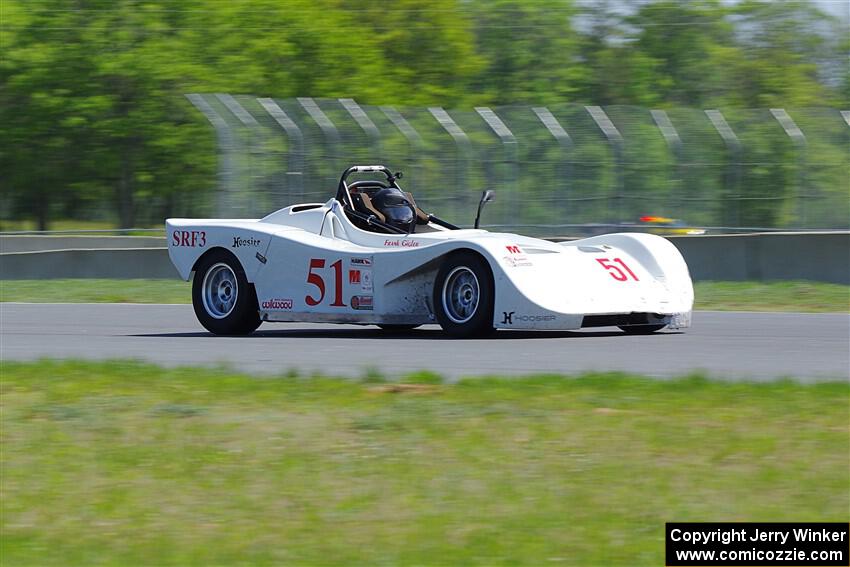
399, 214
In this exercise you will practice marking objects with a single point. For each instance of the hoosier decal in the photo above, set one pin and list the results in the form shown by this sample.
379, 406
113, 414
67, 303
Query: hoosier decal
239, 242
508, 318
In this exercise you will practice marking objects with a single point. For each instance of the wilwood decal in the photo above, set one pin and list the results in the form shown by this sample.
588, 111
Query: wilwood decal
277, 305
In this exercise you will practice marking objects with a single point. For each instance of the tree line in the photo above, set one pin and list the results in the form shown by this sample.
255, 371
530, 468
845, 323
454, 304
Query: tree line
94, 121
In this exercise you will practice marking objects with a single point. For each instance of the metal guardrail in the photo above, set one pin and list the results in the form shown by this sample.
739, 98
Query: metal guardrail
83, 231
819, 256
44, 242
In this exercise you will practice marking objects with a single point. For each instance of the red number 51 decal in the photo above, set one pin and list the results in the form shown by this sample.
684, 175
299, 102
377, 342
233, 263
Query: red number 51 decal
316, 280
616, 272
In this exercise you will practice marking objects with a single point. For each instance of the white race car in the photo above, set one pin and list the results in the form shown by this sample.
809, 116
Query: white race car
370, 256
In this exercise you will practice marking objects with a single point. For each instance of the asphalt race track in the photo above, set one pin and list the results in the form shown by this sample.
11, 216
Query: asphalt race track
755, 346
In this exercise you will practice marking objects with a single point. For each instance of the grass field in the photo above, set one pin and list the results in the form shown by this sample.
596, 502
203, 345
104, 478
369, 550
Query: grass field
796, 296
722, 296
130, 464
96, 291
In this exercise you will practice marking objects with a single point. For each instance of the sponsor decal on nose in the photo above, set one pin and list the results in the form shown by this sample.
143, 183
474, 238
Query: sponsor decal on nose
508, 318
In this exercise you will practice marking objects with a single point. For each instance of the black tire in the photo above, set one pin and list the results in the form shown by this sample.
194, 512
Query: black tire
463, 295
392, 328
225, 303
641, 329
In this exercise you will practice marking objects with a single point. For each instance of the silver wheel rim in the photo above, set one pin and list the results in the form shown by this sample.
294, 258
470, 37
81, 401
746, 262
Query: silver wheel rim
460, 295
219, 291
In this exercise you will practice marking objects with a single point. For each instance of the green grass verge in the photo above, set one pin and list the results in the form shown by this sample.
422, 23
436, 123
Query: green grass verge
130, 464
96, 291
798, 296
722, 296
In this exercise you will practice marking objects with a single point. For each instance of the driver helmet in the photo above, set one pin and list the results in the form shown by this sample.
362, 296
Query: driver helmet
396, 208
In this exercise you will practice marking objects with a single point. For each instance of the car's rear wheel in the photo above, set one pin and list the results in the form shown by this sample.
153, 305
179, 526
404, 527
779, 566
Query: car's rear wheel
224, 302
641, 329
463, 295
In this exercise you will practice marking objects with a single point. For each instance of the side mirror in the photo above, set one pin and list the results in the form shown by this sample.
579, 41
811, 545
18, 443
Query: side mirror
487, 196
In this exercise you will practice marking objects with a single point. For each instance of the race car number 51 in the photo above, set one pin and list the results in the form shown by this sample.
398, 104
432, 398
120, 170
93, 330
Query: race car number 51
615, 271
316, 279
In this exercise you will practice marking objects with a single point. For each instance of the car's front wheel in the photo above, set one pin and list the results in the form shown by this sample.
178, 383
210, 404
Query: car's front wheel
225, 303
463, 295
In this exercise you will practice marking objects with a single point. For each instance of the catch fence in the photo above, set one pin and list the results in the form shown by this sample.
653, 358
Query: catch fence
564, 169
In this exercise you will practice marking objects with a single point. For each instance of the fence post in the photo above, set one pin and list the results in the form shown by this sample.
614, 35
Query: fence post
329, 131
226, 146
415, 144
801, 146
509, 145
566, 143
674, 142
295, 159
463, 149
616, 140
733, 144
251, 123
366, 125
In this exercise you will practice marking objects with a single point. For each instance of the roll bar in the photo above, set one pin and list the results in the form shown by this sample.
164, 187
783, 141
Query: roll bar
342, 194
344, 197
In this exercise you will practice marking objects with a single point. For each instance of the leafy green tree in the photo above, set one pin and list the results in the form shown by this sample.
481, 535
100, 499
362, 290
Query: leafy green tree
95, 123
786, 49
682, 39
530, 51
426, 51
43, 64
94, 97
